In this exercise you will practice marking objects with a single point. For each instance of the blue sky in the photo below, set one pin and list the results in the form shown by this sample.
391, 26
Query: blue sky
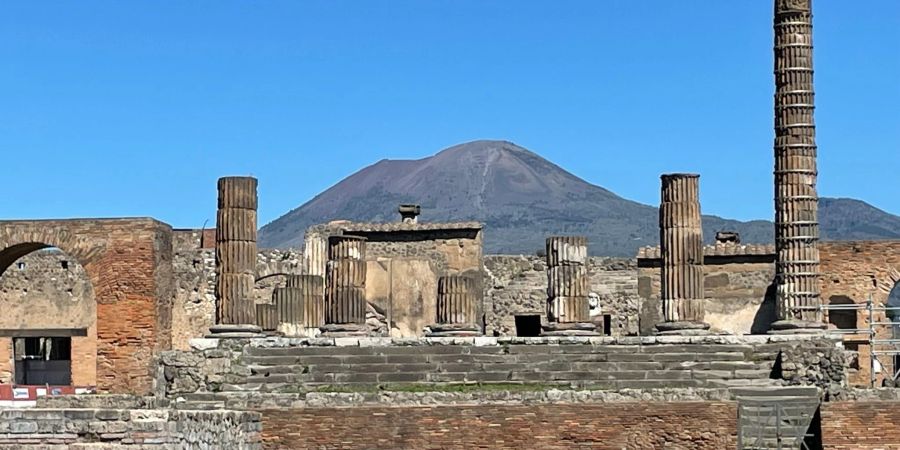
135, 108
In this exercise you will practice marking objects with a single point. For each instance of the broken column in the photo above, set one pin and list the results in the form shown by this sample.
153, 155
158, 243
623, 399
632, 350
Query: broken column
345, 287
300, 305
457, 307
236, 256
796, 200
681, 248
568, 287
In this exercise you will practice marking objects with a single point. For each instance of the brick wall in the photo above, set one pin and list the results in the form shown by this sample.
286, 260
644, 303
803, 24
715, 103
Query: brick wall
863, 425
634, 425
126, 262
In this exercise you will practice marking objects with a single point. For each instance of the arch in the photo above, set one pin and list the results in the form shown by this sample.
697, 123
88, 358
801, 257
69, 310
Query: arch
129, 265
843, 319
19, 240
48, 296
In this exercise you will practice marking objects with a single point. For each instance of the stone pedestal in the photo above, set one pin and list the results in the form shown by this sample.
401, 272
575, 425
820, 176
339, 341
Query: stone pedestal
681, 248
236, 253
456, 307
345, 286
568, 287
796, 199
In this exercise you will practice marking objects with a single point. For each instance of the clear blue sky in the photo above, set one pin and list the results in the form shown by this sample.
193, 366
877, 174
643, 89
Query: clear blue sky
135, 108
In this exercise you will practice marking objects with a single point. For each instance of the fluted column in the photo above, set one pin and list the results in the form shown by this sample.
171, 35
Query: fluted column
345, 286
568, 286
796, 199
681, 248
457, 311
300, 305
236, 255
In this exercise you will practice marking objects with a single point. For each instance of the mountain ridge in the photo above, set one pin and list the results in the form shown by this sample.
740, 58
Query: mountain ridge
522, 197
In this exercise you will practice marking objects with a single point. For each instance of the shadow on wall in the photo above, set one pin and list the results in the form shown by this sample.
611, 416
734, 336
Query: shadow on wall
766, 314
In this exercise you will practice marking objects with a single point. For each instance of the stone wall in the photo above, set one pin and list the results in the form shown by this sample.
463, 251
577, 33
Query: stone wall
278, 365
737, 283
195, 280
404, 261
145, 429
50, 290
694, 425
517, 286
740, 300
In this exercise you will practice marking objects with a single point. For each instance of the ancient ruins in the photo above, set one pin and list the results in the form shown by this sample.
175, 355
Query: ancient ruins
126, 333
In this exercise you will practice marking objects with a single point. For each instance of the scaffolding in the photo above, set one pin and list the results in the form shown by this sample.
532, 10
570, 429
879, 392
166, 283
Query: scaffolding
879, 324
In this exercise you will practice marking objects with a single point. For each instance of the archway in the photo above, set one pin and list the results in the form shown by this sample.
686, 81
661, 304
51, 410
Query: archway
48, 332
129, 265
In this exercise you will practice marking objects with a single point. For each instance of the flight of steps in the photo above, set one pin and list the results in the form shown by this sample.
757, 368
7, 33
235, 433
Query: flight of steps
298, 369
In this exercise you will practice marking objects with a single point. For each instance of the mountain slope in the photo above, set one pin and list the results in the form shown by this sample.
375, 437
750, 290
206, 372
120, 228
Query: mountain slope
521, 197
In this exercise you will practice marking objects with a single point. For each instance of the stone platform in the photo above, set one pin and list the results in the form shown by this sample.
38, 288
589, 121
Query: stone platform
365, 364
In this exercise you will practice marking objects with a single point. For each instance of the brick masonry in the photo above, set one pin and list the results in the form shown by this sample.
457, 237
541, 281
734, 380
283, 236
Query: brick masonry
863, 425
636, 425
128, 264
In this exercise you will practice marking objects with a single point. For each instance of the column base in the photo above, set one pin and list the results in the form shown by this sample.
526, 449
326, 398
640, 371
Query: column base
235, 331
344, 330
682, 329
569, 329
793, 326
454, 330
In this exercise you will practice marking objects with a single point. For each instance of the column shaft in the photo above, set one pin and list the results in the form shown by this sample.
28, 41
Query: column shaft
796, 199
236, 250
681, 248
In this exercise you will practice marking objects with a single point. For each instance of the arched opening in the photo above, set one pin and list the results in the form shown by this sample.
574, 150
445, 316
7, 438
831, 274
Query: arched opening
893, 301
48, 332
843, 319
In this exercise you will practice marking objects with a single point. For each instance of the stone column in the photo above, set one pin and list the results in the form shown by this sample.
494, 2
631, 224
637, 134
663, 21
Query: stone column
300, 305
236, 256
568, 287
345, 286
267, 317
796, 200
681, 248
457, 307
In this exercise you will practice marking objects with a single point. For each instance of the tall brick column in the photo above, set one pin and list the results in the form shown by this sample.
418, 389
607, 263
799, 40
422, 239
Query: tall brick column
681, 247
236, 256
568, 286
796, 200
300, 305
457, 307
345, 286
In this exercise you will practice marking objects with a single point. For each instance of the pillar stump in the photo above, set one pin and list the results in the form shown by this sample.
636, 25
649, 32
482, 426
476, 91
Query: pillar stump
798, 301
681, 247
300, 305
236, 250
345, 286
457, 311
568, 287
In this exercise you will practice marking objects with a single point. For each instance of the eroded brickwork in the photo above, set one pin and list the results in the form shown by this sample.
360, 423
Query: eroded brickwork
636, 425
862, 425
133, 293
